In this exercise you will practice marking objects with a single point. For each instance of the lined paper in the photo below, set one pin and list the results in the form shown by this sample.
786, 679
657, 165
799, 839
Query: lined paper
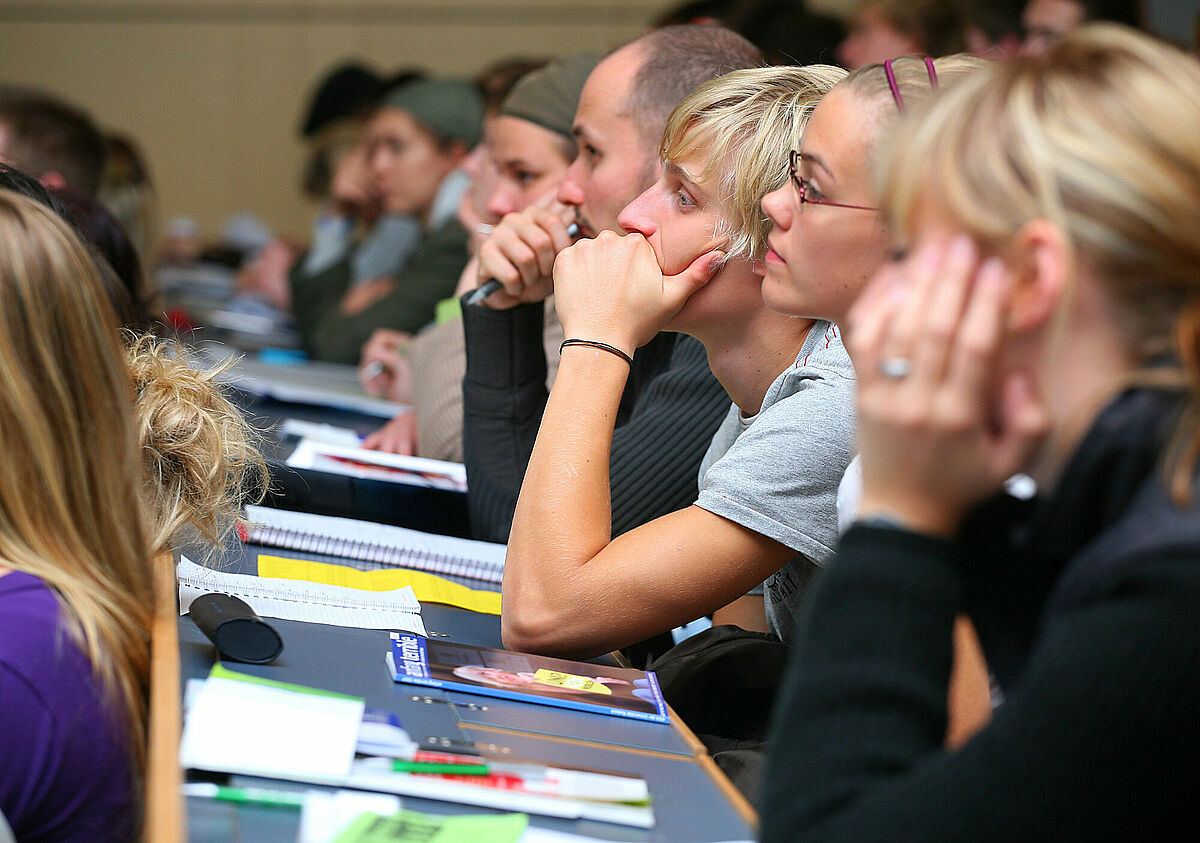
297, 600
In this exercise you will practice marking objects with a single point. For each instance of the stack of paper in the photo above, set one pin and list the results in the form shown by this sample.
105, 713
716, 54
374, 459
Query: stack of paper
242, 724
297, 600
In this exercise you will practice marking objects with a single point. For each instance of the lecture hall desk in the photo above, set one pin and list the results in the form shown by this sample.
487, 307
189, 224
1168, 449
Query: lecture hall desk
693, 801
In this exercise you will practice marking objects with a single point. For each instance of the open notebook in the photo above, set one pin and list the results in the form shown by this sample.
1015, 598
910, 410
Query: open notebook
376, 543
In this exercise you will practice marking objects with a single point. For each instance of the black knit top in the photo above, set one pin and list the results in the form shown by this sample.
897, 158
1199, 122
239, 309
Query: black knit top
1088, 608
671, 406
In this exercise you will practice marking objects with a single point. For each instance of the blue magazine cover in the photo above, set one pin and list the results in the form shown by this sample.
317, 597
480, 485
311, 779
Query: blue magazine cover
621, 692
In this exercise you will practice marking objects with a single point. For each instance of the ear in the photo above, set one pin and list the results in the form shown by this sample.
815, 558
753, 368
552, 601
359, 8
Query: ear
1040, 259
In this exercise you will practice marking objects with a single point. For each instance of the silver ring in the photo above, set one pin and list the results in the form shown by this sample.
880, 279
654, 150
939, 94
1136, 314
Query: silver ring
895, 367
484, 228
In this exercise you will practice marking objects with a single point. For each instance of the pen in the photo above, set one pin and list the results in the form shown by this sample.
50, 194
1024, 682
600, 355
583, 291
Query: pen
399, 766
492, 285
246, 795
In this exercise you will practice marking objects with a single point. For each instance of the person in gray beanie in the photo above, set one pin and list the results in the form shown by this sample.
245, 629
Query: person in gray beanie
413, 143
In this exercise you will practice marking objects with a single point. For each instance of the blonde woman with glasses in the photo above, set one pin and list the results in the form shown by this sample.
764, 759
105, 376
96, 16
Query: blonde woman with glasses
1041, 315
75, 566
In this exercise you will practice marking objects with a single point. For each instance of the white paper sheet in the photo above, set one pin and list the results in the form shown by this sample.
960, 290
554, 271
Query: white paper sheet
352, 461
245, 727
296, 600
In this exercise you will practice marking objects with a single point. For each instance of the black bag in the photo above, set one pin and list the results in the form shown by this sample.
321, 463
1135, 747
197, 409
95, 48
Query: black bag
722, 683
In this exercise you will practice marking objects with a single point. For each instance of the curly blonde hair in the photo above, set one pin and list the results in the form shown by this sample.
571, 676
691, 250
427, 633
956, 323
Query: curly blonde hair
201, 456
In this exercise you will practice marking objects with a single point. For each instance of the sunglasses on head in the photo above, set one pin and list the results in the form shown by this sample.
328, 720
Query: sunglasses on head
806, 197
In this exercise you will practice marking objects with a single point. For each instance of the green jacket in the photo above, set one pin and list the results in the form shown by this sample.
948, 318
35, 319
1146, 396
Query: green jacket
430, 275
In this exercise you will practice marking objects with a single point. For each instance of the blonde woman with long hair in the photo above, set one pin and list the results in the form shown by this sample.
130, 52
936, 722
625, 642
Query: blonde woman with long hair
1041, 316
75, 565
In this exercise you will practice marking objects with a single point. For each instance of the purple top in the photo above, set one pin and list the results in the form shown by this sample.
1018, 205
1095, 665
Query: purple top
64, 769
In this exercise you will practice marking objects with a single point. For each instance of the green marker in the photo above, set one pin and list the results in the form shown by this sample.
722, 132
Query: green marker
429, 767
246, 795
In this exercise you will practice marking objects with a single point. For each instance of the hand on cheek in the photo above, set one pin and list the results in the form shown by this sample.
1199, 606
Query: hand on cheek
611, 289
941, 426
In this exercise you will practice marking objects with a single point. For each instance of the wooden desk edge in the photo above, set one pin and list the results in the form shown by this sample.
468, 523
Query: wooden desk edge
165, 818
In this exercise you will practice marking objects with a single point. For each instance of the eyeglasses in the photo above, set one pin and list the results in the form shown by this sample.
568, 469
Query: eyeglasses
805, 198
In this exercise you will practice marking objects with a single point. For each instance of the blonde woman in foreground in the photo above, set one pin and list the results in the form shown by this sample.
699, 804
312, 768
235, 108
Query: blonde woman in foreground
1042, 316
75, 566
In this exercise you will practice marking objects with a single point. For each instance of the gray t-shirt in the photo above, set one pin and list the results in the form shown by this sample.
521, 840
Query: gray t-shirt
779, 476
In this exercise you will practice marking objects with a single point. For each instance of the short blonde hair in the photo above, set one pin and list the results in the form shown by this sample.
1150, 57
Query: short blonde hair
1100, 138
201, 457
745, 123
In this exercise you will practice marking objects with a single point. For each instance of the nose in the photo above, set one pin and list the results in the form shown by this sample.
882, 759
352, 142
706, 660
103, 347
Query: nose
569, 190
779, 205
635, 218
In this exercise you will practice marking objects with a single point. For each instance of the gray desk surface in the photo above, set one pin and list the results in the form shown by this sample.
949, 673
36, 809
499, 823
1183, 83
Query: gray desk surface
690, 801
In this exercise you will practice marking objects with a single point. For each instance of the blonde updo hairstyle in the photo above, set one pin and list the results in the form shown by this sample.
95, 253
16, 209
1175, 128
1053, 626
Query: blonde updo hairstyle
1099, 137
201, 457
745, 123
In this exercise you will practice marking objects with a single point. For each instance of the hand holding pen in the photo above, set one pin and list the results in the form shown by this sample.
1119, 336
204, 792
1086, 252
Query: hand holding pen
383, 370
516, 263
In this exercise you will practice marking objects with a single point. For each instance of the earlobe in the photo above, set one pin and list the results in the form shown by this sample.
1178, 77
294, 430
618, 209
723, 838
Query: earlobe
1040, 259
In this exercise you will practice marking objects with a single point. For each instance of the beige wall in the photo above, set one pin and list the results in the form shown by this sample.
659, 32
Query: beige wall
213, 89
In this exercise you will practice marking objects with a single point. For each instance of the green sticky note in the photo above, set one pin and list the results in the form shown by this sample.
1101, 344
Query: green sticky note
219, 671
414, 827
447, 310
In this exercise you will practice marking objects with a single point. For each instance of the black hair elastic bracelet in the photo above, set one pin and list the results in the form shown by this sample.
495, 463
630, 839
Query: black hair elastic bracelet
603, 346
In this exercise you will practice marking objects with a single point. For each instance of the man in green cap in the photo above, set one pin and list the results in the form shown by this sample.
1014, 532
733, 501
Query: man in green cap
414, 141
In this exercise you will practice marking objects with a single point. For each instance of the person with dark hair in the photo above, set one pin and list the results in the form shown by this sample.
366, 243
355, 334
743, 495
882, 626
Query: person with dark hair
672, 404
414, 142
993, 27
55, 142
350, 222
787, 32
116, 260
885, 29
1046, 22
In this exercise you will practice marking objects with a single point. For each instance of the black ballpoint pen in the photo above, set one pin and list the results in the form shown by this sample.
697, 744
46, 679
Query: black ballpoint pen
492, 285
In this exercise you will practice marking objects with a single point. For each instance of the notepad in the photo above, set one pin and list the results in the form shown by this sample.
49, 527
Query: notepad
243, 724
296, 600
373, 542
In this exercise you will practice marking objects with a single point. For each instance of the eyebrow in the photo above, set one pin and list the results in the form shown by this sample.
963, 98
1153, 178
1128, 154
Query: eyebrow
672, 169
816, 159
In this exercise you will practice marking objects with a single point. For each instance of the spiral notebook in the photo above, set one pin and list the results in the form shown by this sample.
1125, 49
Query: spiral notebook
366, 540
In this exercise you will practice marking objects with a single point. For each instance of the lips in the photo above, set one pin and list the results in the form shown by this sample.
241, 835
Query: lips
772, 256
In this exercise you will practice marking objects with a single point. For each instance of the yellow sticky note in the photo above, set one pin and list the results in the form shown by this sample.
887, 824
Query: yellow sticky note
570, 681
428, 587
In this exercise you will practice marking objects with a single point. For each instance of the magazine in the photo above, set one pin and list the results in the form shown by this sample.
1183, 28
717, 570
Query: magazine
621, 692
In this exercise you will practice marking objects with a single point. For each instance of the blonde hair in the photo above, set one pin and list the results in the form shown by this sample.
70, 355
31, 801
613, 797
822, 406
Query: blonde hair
201, 457
1099, 138
70, 504
745, 123
913, 81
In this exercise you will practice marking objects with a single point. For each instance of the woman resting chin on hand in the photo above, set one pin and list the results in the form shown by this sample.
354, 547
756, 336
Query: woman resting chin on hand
1042, 319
